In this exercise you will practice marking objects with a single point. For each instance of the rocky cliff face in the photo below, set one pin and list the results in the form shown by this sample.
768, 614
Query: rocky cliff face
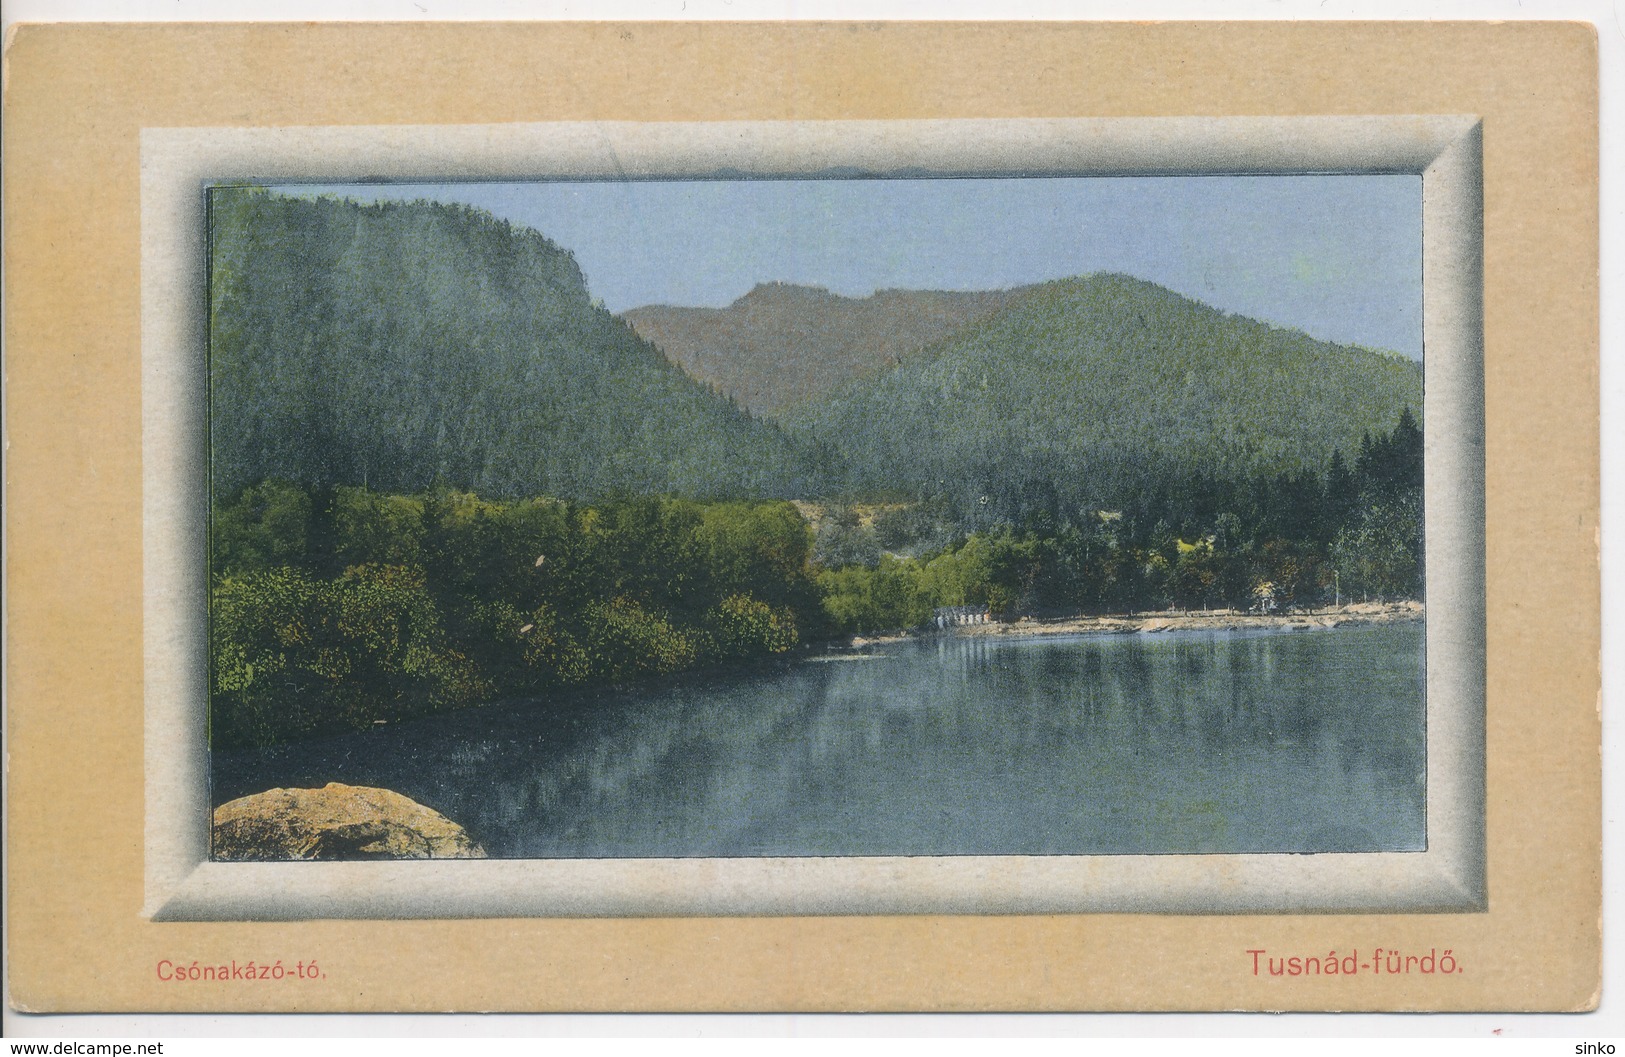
336, 822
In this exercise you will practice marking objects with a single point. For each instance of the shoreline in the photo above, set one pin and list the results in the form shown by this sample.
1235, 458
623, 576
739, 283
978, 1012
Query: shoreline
1351, 615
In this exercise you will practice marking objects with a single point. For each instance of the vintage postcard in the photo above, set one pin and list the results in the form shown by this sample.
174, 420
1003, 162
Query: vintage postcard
671, 536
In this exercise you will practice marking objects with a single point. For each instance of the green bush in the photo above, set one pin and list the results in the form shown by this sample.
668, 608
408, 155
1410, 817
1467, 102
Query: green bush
294, 655
551, 656
623, 641
377, 529
266, 526
264, 628
1380, 552
885, 598
742, 627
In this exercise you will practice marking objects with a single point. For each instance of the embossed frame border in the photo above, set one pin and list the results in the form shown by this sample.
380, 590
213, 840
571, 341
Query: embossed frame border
1445, 151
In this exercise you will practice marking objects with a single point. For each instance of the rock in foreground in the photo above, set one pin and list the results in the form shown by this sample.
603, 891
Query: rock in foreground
336, 822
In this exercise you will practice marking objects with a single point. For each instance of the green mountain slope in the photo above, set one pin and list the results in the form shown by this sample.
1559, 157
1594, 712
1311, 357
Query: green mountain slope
781, 345
1093, 388
399, 344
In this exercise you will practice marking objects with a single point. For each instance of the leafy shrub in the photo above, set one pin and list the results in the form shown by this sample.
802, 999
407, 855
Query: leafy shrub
623, 640
263, 630
1380, 552
884, 598
742, 627
267, 525
377, 529
294, 655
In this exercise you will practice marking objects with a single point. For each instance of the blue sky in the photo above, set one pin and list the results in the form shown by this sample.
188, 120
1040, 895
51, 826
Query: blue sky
1339, 257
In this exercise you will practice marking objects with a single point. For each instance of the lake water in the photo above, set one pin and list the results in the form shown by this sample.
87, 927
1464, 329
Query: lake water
1266, 741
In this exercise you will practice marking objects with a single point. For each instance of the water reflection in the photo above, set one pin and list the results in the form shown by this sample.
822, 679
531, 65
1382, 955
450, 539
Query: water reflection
1191, 742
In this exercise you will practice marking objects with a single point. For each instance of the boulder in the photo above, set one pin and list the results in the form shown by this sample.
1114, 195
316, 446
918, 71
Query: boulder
336, 822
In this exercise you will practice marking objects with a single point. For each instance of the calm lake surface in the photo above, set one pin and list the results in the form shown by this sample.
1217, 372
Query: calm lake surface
1252, 741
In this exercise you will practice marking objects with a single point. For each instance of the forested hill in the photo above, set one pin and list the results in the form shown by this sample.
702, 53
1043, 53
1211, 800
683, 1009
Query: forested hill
396, 345
781, 344
1090, 390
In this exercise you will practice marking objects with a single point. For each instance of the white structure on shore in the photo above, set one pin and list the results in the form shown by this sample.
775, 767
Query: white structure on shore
952, 616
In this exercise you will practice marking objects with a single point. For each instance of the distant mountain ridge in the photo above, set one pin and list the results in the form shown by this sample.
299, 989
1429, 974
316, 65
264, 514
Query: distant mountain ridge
781, 344
398, 345
1088, 389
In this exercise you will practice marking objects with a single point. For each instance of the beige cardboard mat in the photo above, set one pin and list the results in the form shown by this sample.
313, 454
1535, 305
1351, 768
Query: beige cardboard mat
91, 110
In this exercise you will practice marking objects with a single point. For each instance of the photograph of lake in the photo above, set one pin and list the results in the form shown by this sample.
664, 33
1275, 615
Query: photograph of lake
714, 518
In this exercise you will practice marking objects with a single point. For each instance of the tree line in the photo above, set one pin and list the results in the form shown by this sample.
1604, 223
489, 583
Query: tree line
1189, 541
334, 608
